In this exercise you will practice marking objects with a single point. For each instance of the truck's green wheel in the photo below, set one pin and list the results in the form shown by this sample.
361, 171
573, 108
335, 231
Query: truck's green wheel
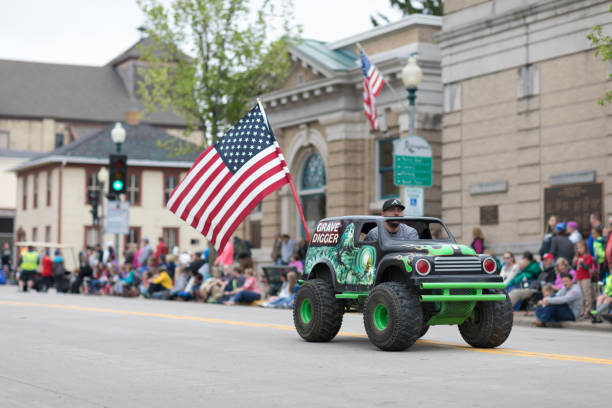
489, 325
393, 316
317, 314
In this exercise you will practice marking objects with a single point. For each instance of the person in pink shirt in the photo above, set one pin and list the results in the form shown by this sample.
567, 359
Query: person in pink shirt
562, 266
298, 264
226, 258
247, 293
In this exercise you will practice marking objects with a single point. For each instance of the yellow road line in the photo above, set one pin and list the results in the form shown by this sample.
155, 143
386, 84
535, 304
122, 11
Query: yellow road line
502, 351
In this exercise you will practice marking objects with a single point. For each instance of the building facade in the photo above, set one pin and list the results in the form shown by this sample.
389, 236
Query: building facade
523, 136
340, 166
52, 192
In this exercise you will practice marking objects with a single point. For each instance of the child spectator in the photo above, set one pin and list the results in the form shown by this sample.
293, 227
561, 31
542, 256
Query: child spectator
192, 287
295, 262
160, 283
604, 302
599, 250
583, 263
287, 300
249, 292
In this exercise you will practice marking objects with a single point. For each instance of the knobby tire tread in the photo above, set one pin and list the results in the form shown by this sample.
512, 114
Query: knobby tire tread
327, 312
494, 328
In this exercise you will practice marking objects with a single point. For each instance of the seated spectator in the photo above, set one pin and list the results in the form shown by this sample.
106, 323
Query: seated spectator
510, 268
249, 292
603, 303
565, 305
561, 267
285, 300
547, 276
170, 262
211, 289
180, 283
584, 265
160, 283
191, 290
529, 270
295, 262
232, 285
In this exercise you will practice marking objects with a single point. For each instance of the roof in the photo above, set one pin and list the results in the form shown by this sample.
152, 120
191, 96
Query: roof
335, 60
134, 52
70, 92
142, 146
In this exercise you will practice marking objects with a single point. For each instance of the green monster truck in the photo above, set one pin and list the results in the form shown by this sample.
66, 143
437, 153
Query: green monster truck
403, 287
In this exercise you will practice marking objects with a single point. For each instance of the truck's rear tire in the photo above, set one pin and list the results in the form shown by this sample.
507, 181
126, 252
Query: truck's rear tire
393, 316
317, 314
489, 325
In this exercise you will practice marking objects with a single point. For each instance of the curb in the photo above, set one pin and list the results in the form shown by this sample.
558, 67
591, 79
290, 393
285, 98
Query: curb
585, 325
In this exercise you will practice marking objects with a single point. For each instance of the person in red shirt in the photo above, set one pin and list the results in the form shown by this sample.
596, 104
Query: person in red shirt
46, 272
583, 263
161, 251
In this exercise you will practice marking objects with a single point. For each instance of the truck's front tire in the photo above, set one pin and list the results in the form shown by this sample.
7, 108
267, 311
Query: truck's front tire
317, 314
489, 325
393, 316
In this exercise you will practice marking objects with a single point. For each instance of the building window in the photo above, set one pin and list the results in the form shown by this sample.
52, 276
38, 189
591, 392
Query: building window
92, 184
170, 182
300, 78
48, 233
35, 204
93, 236
385, 169
528, 81
4, 139
171, 237
59, 140
133, 189
133, 237
35, 234
49, 174
24, 198
452, 97
312, 191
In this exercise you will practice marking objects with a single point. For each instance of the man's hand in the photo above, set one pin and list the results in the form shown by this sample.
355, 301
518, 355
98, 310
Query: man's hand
545, 301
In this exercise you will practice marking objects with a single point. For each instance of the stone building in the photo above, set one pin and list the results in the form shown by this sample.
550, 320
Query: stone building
52, 191
523, 136
339, 165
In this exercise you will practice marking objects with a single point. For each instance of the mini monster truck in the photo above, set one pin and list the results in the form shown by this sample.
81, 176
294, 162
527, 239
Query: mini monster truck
403, 287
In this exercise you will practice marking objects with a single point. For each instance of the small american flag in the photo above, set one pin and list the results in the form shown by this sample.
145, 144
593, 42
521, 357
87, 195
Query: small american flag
373, 82
230, 178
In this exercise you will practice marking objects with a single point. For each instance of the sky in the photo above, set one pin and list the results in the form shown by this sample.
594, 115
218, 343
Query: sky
92, 32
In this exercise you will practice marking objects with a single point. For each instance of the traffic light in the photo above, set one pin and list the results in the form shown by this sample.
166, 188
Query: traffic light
118, 174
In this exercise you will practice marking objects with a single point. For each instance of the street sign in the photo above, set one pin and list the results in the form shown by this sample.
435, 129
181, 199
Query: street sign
412, 162
413, 200
118, 217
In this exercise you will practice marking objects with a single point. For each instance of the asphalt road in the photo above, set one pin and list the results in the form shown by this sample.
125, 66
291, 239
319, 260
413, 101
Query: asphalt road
86, 351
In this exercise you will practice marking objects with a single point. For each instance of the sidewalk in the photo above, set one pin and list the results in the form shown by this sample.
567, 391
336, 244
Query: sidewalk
521, 320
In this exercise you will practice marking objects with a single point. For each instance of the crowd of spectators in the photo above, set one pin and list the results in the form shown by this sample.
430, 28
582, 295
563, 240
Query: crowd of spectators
160, 273
570, 281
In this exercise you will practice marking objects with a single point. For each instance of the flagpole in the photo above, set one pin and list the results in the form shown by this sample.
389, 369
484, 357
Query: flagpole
295, 196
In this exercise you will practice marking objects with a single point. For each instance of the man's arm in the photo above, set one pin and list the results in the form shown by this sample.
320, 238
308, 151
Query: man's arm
372, 235
412, 234
565, 297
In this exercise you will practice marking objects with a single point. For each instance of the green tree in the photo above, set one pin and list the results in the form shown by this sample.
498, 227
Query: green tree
603, 45
431, 7
208, 59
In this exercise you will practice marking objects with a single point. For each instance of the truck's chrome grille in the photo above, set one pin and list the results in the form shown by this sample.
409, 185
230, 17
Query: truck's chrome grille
457, 264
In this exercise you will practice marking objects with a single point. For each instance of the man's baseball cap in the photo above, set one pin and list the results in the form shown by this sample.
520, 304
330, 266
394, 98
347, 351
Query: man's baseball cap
548, 256
394, 202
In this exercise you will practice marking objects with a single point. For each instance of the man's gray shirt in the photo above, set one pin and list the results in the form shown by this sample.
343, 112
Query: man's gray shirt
571, 297
405, 233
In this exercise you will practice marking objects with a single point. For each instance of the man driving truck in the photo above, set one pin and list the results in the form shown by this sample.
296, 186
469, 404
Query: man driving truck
397, 230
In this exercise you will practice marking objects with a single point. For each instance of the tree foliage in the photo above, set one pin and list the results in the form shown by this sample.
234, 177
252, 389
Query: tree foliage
603, 45
209, 59
431, 7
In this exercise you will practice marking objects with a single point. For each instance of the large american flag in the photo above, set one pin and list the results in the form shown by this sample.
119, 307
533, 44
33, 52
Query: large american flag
373, 82
230, 178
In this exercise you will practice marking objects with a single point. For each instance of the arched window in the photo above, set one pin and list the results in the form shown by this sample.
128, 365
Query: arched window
312, 191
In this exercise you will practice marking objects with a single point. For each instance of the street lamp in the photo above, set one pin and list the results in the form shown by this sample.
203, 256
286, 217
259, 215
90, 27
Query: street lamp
103, 176
411, 77
118, 135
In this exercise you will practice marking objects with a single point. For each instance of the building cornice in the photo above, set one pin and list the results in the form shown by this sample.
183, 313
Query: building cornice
411, 20
96, 161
